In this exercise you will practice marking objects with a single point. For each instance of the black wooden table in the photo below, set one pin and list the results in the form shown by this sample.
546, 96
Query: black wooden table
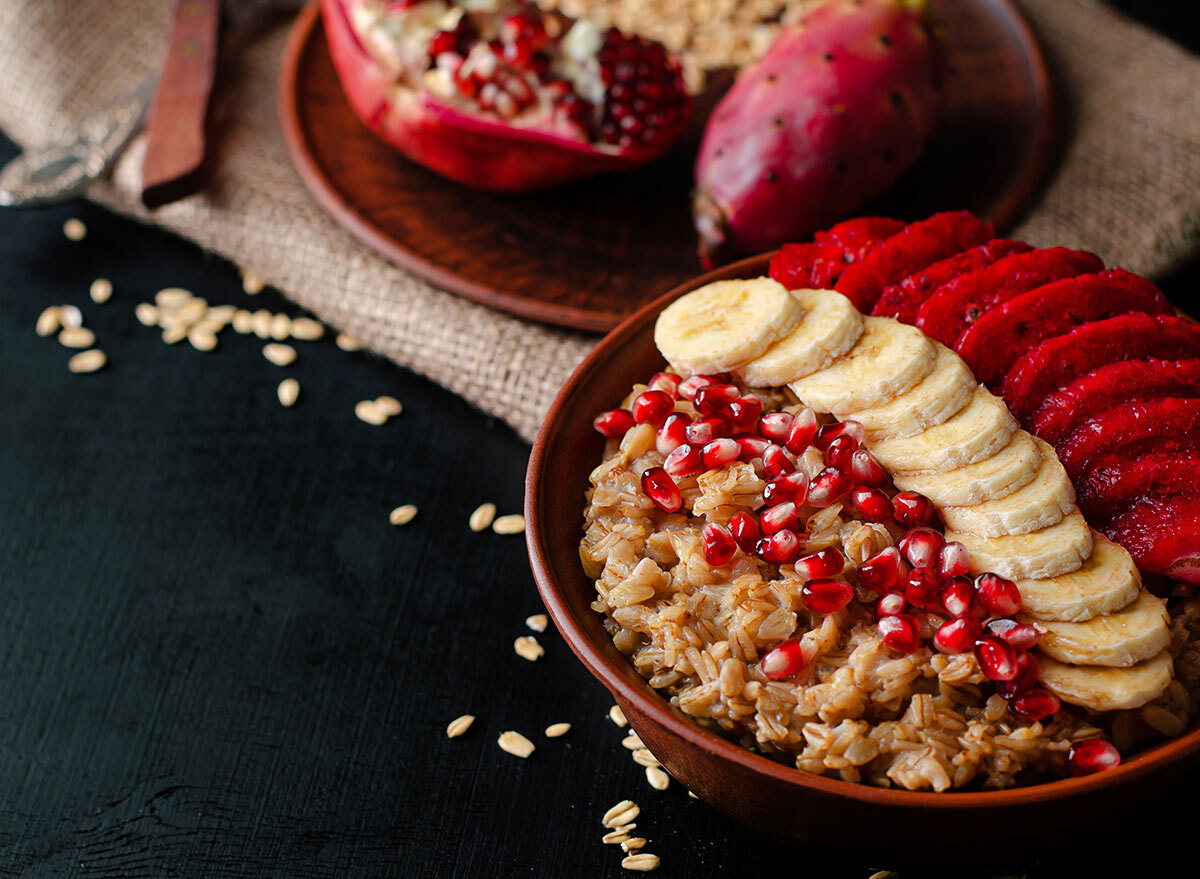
219, 659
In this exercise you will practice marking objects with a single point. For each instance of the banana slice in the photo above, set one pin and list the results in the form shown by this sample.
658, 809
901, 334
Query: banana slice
1107, 582
1121, 639
982, 428
725, 324
1036, 505
1103, 688
890, 358
1010, 468
1051, 552
934, 399
830, 327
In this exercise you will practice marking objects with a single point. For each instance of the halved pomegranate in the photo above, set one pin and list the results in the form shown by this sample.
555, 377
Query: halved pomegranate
501, 95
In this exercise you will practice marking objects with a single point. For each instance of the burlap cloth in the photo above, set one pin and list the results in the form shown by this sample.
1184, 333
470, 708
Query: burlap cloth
1126, 188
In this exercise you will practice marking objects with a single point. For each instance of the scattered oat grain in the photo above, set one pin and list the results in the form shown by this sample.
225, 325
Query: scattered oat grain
390, 406
70, 316
459, 725
538, 622
146, 314
641, 863
77, 337
367, 411
554, 730
222, 313
615, 837
192, 310
632, 742
347, 342
243, 323
260, 323
279, 353
643, 757
482, 518
49, 322
75, 229
87, 361
172, 297
307, 330
516, 744
173, 334
622, 813
288, 392
101, 290
202, 339
252, 284
513, 523
617, 716
633, 844
402, 515
658, 779
281, 327
527, 647
209, 325
693, 796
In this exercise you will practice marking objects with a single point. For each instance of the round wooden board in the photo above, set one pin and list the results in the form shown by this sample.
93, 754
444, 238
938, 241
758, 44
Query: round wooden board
588, 254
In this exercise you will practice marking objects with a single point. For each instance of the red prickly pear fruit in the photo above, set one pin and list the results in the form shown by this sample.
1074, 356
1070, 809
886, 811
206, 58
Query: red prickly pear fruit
831, 115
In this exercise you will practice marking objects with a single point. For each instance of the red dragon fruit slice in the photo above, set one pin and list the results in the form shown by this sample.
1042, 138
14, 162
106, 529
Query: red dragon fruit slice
1168, 424
959, 303
1163, 536
817, 265
915, 247
501, 95
1059, 361
838, 107
856, 236
1117, 482
993, 343
902, 300
1068, 407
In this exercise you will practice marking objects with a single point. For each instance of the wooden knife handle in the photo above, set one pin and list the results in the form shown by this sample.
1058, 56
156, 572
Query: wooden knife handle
175, 142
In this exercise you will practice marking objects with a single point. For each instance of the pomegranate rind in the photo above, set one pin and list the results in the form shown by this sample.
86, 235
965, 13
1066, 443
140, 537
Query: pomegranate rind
1117, 482
1162, 535
959, 303
1168, 424
1070, 406
1002, 334
468, 149
1057, 362
903, 299
915, 247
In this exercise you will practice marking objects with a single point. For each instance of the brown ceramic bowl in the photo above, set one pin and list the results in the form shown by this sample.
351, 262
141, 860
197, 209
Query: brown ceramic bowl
761, 793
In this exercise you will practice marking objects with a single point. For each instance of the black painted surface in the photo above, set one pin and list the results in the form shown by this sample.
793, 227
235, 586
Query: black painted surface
218, 659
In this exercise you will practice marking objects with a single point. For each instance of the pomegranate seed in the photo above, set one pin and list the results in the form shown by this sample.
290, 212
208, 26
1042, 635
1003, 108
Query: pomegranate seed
672, 434
1037, 704
913, 509
661, 488
779, 517
1021, 636
827, 486
614, 423
865, 470
652, 406
881, 571
1025, 678
778, 548
785, 661
891, 604
922, 590
953, 560
744, 413
720, 452
719, 545
775, 426
689, 386
998, 595
792, 487
704, 430
827, 433
1092, 755
997, 659
899, 631
827, 562
800, 434
752, 446
684, 460
746, 531
665, 381
871, 504
839, 452
443, 41
957, 596
957, 636
921, 547
776, 463
713, 398
826, 596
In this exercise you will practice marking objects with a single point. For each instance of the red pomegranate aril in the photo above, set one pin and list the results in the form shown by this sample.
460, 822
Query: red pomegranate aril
890, 604
865, 470
720, 452
785, 661
665, 381
826, 596
1021, 636
953, 560
614, 423
443, 41
704, 430
921, 547
672, 434
922, 590
827, 433
900, 632
881, 571
689, 386
1090, 756
779, 548
713, 398
776, 462
1037, 704
913, 509
871, 504
778, 518
957, 595
684, 460
997, 594
718, 544
997, 659
775, 426
957, 636
827, 562
839, 452
751, 447
801, 433
661, 488
1025, 678
652, 406
746, 531
744, 413
828, 486
791, 487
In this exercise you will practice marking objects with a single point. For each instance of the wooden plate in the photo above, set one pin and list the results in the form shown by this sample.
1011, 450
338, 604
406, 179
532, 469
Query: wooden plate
588, 254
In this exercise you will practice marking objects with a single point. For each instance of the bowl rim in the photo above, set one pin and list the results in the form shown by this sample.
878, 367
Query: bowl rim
659, 710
